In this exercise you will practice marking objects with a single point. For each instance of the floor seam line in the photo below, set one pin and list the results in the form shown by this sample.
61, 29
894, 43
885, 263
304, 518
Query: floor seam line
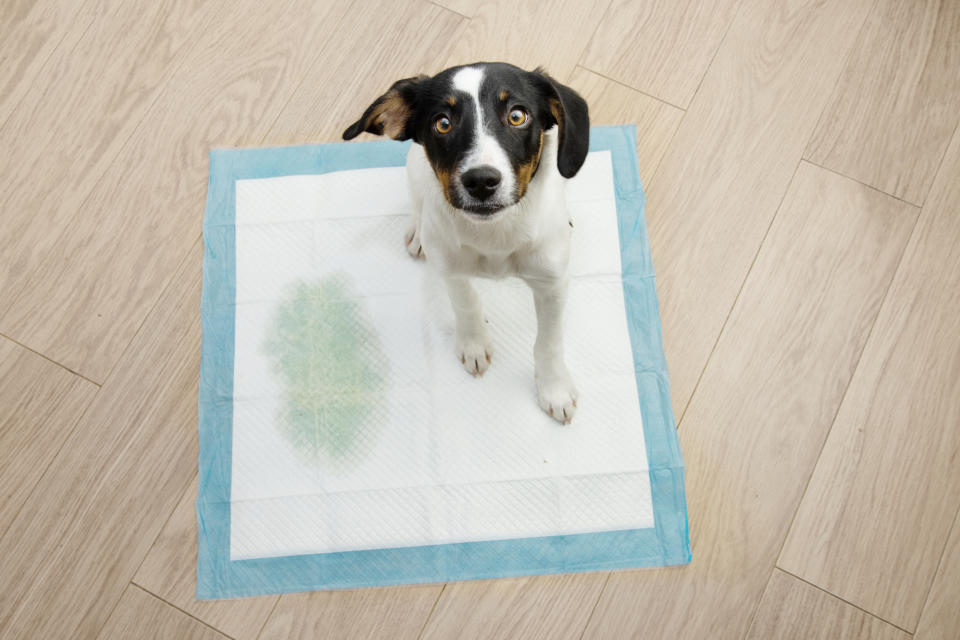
426, 622
847, 602
170, 604
596, 603
59, 365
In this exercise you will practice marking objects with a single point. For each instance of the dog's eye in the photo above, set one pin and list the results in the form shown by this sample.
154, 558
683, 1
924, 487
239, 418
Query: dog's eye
442, 125
517, 117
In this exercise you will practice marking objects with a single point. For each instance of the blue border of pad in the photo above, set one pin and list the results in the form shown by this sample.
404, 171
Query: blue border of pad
219, 577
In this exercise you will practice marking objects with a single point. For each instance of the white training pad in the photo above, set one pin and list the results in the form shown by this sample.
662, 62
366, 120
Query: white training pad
439, 456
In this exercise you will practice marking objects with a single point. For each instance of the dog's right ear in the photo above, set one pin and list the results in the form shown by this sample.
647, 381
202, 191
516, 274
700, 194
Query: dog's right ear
390, 114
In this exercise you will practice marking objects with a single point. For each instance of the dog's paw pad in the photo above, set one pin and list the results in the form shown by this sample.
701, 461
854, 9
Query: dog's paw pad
558, 397
412, 239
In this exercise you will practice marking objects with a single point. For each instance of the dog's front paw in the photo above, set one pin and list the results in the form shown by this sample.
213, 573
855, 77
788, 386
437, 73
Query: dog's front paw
557, 396
412, 239
474, 353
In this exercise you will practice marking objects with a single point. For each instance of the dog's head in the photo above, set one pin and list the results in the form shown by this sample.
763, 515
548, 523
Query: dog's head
482, 126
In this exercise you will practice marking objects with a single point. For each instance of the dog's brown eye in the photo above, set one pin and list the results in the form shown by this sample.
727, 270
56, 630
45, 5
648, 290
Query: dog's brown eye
517, 117
443, 125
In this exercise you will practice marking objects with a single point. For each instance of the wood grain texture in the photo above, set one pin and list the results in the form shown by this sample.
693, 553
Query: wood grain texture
551, 33
898, 101
39, 405
467, 8
375, 46
80, 536
941, 613
391, 613
108, 109
549, 607
612, 103
764, 407
140, 615
140, 220
878, 511
30, 32
70, 125
730, 162
170, 572
794, 610
661, 47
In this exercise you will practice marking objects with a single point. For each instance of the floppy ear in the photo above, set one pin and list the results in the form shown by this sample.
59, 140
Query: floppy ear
572, 116
390, 114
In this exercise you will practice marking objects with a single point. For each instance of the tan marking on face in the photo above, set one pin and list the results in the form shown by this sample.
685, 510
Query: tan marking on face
526, 169
391, 115
504, 94
451, 101
444, 177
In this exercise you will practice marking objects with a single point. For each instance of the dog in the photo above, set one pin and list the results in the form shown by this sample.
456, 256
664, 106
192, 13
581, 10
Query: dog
495, 144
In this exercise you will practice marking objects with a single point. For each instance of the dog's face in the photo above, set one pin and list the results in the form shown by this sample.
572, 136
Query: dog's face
482, 129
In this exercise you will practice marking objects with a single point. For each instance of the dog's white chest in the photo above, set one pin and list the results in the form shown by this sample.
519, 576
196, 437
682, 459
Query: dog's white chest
486, 265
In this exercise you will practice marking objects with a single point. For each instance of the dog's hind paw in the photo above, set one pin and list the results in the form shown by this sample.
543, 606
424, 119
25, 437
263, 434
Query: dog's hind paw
412, 239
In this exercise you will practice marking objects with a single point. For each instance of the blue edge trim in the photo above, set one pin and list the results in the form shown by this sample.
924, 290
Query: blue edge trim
219, 577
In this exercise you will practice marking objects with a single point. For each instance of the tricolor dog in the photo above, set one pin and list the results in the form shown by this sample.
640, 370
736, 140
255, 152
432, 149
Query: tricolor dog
487, 176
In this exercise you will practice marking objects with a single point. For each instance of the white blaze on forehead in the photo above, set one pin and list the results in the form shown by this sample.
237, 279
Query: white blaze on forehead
468, 80
486, 149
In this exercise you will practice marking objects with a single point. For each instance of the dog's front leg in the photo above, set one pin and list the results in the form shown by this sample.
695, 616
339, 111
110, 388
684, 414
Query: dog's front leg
474, 346
555, 389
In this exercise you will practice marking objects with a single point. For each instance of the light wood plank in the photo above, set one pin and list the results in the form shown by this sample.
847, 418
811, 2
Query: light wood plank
941, 612
729, 164
141, 218
881, 502
140, 615
792, 609
391, 613
763, 409
30, 32
612, 103
69, 127
898, 100
661, 47
39, 405
551, 33
80, 536
375, 46
466, 8
170, 572
550, 607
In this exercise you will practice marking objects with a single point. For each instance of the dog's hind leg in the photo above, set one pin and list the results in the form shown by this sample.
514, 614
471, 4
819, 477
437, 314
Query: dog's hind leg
474, 346
411, 236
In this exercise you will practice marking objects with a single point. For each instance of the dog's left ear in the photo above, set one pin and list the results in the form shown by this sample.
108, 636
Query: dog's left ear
390, 114
572, 116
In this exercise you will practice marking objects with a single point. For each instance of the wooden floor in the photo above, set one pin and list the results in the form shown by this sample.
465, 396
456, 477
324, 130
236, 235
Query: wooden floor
802, 166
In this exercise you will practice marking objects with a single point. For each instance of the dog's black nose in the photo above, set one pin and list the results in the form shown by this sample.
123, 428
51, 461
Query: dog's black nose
481, 182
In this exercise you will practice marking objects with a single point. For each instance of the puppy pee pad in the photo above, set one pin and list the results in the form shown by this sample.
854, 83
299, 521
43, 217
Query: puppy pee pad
343, 444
